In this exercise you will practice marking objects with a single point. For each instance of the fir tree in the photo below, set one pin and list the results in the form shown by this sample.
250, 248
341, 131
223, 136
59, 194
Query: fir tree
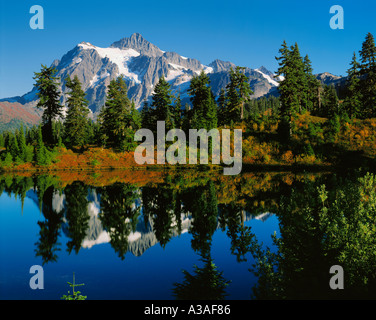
238, 93
136, 119
204, 107
13, 147
49, 97
115, 116
22, 144
76, 122
148, 117
368, 75
162, 104
222, 105
353, 100
330, 101
313, 86
178, 113
300, 78
40, 151
288, 92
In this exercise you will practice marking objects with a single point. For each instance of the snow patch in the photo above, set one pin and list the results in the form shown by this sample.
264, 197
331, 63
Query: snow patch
120, 57
270, 80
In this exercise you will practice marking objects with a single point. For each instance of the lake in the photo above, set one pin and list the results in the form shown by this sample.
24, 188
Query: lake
186, 234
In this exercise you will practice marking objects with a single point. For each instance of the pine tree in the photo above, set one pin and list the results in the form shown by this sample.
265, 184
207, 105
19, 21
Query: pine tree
368, 75
76, 122
162, 103
204, 107
353, 100
115, 116
49, 97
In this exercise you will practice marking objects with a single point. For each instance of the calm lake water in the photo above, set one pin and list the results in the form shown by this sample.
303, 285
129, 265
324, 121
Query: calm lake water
169, 239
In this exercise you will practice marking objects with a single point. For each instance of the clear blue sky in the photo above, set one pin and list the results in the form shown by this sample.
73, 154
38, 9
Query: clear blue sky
248, 33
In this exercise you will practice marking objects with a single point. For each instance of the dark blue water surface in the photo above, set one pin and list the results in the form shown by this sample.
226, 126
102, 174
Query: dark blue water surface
153, 260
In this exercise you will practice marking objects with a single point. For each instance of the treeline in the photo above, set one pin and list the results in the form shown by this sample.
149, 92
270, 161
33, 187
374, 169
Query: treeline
300, 91
118, 120
70, 125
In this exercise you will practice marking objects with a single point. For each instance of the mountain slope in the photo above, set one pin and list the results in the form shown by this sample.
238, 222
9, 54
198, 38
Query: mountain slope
142, 64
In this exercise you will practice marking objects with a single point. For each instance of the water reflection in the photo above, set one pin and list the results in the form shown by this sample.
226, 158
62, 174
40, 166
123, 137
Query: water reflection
319, 227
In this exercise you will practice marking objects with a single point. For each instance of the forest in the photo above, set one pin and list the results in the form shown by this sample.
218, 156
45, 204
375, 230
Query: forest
308, 124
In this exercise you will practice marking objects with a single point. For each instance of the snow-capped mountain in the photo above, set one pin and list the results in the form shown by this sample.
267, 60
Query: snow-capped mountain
142, 64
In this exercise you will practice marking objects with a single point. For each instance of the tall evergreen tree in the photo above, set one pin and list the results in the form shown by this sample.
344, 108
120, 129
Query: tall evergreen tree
76, 122
238, 93
162, 103
148, 118
13, 147
40, 151
49, 96
353, 100
330, 101
301, 78
115, 116
136, 119
288, 92
222, 105
368, 75
178, 112
204, 107
313, 86
22, 144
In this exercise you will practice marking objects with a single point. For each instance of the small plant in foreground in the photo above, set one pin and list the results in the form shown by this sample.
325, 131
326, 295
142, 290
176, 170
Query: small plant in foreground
76, 294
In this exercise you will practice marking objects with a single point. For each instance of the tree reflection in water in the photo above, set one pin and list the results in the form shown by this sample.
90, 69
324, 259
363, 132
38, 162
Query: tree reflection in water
323, 222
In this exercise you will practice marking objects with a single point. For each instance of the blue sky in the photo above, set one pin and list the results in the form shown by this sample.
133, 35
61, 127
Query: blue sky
248, 33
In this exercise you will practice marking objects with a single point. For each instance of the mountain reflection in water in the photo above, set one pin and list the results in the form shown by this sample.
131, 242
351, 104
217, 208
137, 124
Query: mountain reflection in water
213, 211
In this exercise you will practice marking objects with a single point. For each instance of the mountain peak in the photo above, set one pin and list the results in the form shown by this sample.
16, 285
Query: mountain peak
219, 65
137, 42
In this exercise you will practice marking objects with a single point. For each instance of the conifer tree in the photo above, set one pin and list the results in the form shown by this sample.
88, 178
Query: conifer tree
135, 117
148, 117
178, 113
353, 100
288, 92
313, 86
368, 75
162, 104
301, 78
22, 145
222, 105
13, 147
330, 101
238, 93
204, 112
49, 96
115, 117
76, 122
40, 151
